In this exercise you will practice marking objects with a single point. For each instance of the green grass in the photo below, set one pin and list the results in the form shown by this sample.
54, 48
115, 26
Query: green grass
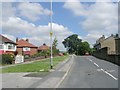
35, 66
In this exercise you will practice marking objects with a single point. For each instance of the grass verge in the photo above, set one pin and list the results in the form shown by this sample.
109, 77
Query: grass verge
37, 66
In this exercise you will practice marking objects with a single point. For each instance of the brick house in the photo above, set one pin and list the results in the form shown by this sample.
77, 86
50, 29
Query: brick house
7, 46
26, 48
43, 47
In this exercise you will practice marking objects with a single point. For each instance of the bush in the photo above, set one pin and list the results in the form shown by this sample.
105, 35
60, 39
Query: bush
55, 51
65, 53
7, 58
42, 53
26, 56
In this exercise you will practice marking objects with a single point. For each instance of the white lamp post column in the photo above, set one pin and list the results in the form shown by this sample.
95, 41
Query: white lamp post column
51, 57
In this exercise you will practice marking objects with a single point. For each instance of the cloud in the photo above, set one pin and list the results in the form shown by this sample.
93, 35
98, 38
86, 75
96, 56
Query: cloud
100, 18
14, 26
76, 7
7, 10
38, 35
32, 11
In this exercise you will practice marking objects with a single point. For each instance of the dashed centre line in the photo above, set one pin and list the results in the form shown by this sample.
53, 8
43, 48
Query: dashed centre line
96, 64
102, 69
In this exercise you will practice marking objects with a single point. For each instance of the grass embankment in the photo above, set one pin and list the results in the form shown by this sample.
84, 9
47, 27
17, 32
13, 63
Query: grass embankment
36, 66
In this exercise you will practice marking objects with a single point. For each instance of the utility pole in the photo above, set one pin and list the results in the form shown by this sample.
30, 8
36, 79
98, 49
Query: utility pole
51, 57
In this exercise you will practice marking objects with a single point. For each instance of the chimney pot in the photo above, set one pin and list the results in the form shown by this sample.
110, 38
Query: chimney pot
17, 39
27, 40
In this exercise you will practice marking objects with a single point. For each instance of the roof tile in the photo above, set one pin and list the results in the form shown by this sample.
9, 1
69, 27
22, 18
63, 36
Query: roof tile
24, 43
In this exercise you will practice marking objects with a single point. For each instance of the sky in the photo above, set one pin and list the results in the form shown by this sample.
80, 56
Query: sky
90, 20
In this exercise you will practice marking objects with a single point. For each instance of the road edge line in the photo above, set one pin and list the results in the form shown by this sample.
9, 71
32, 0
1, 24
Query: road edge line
65, 74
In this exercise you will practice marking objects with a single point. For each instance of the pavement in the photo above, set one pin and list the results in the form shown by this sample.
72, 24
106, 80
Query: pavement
90, 72
37, 80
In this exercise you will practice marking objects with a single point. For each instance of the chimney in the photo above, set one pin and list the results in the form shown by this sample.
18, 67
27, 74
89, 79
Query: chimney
112, 35
103, 36
17, 39
44, 44
27, 40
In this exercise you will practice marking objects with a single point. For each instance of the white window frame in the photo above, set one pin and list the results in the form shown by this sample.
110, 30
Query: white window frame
26, 48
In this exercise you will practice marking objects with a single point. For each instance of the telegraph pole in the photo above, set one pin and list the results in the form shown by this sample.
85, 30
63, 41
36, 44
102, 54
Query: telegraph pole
51, 57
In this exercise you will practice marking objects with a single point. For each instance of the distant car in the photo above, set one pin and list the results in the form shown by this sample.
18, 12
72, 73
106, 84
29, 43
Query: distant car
87, 54
60, 54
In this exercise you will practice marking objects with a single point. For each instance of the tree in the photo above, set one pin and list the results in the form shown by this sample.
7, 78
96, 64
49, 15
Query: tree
55, 43
72, 43
54, 46
85, 47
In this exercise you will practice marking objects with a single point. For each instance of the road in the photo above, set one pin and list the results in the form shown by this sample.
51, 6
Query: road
90, 72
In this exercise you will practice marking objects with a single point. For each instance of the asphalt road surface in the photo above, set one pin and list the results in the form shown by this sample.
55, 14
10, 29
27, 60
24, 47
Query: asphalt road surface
90, 72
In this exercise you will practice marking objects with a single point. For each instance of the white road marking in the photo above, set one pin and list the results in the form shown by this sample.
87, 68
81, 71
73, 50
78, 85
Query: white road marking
103, 69
93, 62
65, 75
89, 59
96, 64
109, 74
99, 70
110, 70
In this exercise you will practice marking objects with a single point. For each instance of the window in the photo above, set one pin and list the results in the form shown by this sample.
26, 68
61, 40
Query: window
26, 49
11, 46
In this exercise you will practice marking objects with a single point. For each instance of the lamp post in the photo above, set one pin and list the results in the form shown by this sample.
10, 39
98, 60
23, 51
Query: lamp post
51, 57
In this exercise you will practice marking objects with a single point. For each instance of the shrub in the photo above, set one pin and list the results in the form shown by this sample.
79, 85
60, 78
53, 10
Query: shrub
7, 58
26, 56
65, 53
55, 51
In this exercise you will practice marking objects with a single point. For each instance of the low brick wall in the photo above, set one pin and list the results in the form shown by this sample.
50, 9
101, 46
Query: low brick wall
102, 54
33, 59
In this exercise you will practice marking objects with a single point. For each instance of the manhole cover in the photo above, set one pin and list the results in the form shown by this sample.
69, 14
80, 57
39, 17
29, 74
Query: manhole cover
39, 74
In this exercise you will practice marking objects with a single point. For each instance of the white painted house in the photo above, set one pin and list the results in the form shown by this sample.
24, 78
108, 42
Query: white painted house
7, 45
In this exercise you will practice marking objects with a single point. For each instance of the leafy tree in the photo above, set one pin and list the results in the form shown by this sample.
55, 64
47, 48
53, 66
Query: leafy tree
75, 45
92, 50
55, 43
72, 43
85, 47
54, 46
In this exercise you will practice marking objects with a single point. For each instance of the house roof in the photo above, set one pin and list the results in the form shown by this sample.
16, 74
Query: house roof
24, 43
43, 47
5, 40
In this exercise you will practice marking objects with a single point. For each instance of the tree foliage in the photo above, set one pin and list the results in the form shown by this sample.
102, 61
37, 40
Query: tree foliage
7, 59
75, 45
72, 43
54, 46
55, 43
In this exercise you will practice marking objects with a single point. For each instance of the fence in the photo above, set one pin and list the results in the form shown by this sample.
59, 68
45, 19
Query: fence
102, 54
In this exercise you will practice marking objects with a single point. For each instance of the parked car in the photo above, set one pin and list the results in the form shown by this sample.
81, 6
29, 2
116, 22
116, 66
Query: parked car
87, 54
60, 54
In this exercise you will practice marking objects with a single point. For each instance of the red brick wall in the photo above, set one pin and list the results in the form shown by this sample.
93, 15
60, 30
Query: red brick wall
33, 51
19, 50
